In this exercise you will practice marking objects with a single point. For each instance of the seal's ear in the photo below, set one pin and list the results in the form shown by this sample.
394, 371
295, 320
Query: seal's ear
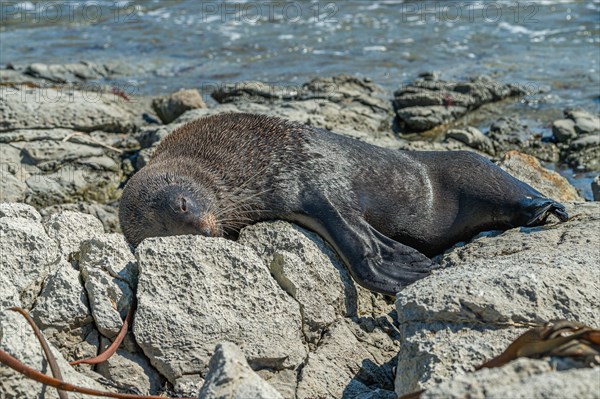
375, 261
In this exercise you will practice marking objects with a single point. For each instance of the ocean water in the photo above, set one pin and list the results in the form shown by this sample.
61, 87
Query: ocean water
550, 47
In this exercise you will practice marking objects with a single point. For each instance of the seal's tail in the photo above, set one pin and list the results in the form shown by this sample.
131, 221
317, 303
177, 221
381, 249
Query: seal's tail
542, 207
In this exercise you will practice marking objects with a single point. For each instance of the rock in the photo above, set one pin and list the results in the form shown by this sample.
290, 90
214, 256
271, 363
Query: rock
18, 210
522, 378
528, 169
67, 73
596, 188
585, 142
427, 103
170, 107
585, 122
49, 171
130, 371
230, 377
45, 108
188, 385
12, 184
109, 272
107, 214
233, 298
585, 159
70, 229
343, 104
18, 340
464, 312
446, 145
344, 367
472, 137
564, 130
307, 270
508, 133
28, 256
62, 303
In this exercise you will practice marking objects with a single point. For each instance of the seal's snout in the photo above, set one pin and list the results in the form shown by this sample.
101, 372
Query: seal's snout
207, 225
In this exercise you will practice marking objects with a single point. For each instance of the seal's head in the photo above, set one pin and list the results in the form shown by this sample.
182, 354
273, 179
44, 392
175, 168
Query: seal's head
158, 203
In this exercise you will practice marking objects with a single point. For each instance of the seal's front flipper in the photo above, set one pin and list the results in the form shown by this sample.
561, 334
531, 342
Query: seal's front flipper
375, 261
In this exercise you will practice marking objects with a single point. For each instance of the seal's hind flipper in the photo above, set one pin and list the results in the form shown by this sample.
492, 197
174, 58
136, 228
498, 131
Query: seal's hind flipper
375, 261
541, 208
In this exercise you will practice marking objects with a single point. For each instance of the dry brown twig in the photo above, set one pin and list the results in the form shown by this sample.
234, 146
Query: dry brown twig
58, 383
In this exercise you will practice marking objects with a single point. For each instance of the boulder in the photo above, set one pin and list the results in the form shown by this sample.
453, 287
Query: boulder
528, 169
471, 309
63, 107
472, 137
169, 108
522, 378
27, 256
230, 377
195, 292
429, 102
69, 229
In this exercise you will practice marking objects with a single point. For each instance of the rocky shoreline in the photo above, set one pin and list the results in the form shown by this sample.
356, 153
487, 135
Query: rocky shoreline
276, 314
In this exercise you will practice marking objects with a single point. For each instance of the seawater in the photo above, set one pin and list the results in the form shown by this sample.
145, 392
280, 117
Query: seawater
550, 47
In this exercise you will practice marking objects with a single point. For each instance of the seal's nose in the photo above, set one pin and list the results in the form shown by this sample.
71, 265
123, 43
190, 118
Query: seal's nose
207, 225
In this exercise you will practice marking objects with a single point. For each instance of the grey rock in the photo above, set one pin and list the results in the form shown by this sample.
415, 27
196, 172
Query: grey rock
12, 184
107, 214
509, 133
446, 145
18, 340
34, 135
131, 371
584, 142
472, 137
344, 367
44, 108
19, 210
112, 254
12, 188
28, 256
230, 377
564, 130
585, 159
528, 169
422, 118
427, 103
596, 188
522, 378
62, 303
51, 172
188, 385
109, 272
307, 270
170, 107
255, 92
343, 104
42, 152
585, 122
69, 229
195, 292
522, 276
67, 73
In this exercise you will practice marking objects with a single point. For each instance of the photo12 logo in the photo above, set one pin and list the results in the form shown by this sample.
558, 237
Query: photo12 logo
68, 11
271, 11
469, 11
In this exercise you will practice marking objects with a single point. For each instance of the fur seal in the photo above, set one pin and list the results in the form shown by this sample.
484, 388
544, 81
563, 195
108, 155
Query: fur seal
384, 211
